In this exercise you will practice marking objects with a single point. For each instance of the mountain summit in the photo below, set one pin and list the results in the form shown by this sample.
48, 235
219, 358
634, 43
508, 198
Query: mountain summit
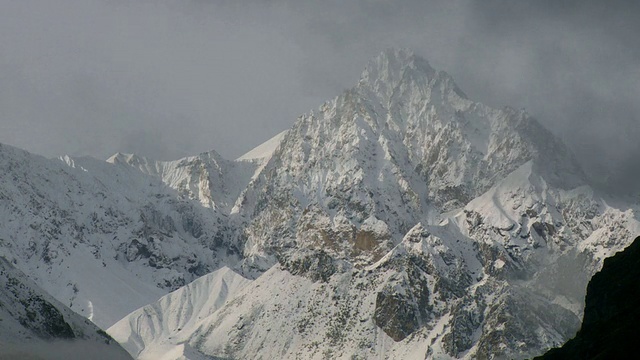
393, 67
402, 146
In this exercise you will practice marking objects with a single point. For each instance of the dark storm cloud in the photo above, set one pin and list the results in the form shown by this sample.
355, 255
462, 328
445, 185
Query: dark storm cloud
167, 78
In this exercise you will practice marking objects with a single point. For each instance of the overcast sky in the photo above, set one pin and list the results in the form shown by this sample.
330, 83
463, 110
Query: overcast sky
174, 78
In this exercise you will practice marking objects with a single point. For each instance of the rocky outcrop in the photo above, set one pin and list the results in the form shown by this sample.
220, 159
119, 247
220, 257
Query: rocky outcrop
402, 305
610, 325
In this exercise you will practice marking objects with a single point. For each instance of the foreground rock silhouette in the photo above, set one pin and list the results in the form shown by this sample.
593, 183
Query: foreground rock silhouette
610, 326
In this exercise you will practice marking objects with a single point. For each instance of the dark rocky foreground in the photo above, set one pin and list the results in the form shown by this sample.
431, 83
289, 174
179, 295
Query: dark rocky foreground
612, 312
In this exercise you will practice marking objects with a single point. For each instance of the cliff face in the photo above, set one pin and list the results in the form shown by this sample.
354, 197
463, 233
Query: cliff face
610, 326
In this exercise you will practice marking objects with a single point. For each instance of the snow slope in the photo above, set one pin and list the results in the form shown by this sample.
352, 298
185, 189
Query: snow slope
264, 150
32, 323
160, 330
103, 239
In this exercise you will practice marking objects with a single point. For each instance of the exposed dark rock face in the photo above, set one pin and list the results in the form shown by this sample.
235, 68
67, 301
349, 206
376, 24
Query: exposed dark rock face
610, 326
44, 319
400, 313
316, 265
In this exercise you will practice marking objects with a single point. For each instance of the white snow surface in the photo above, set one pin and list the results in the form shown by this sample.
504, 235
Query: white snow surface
264, 150
403, 145
208, 178
160, 330
32, 322
102, 239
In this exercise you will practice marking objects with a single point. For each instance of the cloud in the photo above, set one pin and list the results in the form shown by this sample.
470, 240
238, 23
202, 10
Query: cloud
167, 79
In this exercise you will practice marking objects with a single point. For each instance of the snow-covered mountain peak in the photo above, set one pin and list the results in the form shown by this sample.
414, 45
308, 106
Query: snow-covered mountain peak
142, 163
138, 161
390, 66
208, 177
263, 151
387, 71
402, 146
125, 158
394, 71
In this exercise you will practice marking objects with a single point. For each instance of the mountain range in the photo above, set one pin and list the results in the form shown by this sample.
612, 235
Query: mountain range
399, 220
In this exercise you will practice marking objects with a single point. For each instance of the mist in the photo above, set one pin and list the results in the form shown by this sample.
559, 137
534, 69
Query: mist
62, 350
167, 79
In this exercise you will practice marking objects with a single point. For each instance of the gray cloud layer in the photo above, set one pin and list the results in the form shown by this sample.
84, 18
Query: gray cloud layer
172, 78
